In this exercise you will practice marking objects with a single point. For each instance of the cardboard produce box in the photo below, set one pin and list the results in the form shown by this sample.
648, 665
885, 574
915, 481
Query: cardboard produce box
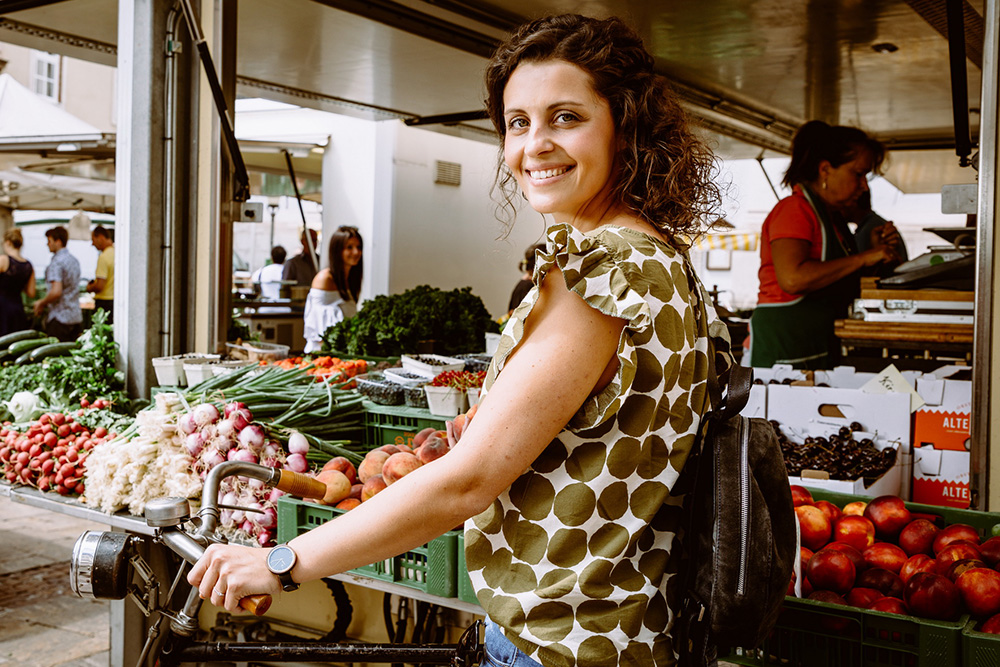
941, 453
820, 411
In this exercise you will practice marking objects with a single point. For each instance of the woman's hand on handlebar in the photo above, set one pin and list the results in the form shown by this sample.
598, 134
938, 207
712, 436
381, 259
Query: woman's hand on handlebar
225, 574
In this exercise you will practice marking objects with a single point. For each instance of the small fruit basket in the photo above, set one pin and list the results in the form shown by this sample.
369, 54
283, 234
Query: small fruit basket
431, 364
376, 388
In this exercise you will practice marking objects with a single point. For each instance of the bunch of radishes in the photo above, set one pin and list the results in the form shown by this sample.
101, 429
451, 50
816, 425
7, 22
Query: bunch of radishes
49, 454
212, 438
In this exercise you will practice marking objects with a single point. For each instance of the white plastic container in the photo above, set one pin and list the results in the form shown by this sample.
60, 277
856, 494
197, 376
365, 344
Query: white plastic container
445, 401
473, 394
197, 371
169, 371
431, 364
405, 377
492, 343
223, 367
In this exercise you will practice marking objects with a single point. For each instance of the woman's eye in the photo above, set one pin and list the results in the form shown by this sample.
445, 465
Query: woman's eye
516, 123
566, 117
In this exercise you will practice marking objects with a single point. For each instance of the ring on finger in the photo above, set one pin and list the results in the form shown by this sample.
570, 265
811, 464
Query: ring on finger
221, 594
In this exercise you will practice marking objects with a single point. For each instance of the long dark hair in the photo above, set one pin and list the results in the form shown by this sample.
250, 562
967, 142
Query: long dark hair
664, 171
837, 144
351, 289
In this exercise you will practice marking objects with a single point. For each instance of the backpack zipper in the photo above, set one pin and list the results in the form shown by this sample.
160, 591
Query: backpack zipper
744, 440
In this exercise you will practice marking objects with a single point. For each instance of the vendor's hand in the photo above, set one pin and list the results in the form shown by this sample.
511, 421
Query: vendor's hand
885, 254
38, 308
227, 573
886, 235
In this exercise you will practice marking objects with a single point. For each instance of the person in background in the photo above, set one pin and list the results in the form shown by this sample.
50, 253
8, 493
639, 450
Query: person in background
62, 277
595, 396
810, 268
527, 267
335, 290
303, 267
268, 277
103, 284
17, 276
872, 231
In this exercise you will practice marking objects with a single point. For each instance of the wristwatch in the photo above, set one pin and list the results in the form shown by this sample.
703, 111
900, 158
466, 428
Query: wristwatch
280, 560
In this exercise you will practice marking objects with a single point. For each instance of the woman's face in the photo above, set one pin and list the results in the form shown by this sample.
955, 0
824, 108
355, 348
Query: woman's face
560, 143
844, 184
352, 253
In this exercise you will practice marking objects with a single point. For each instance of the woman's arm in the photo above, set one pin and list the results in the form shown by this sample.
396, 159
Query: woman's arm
4, 263
29, 287
798, 273
566, 348
324, 281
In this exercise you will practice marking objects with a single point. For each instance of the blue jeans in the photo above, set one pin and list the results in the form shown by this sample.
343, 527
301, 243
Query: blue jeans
500, 652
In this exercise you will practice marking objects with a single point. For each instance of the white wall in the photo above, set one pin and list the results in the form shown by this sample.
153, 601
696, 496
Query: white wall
447, 236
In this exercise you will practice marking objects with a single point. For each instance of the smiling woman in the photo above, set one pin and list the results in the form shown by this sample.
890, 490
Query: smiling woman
594, 397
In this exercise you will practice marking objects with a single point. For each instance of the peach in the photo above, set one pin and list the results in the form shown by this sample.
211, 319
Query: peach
405, 448
338, 486
434, 448
398, 466
348, 504
372, 464
343, 465
356, 490
391, 449
372, 485
419, 438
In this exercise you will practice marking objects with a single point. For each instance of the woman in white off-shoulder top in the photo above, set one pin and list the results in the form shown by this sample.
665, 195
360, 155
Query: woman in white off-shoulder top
334, 293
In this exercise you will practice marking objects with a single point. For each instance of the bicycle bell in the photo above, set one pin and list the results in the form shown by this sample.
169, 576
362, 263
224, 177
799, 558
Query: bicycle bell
166, 512
99, 565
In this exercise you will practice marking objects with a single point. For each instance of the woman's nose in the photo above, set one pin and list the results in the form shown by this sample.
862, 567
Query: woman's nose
539, 140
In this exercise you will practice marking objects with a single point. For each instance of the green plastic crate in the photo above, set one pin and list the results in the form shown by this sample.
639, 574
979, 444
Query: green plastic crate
816, 634
431, 568
465, 591
979, 649
396, 424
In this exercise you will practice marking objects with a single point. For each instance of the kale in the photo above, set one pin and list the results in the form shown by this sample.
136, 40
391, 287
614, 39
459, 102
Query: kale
390, 325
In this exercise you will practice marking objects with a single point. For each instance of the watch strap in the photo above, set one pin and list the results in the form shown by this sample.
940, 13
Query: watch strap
287, 584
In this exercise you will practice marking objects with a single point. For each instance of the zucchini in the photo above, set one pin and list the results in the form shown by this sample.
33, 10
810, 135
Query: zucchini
52, 350
22, 346
11, 338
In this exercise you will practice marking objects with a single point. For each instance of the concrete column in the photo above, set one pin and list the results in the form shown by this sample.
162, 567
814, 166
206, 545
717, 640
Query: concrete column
139, 186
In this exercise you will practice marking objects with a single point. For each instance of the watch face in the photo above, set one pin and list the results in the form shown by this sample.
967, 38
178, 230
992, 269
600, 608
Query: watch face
280, 558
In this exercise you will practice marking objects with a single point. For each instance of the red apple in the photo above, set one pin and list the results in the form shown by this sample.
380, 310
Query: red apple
960, 566
814, 526
952, 533
791, 585
863, 597
990, 551
890, 516
882, 580
831, 511
992, 625
917, 563
955, 551
856, 508
917, 537
855, 530
885, 555
980, 590
831, 570
852, 553
932, 596
890, 605
835, 624
801, 495
828, 596
804, 556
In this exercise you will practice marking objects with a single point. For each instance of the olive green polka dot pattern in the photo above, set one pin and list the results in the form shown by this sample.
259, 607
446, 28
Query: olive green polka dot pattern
575, 560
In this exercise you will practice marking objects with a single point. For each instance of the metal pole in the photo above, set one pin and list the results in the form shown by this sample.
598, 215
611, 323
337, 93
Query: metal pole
986, 364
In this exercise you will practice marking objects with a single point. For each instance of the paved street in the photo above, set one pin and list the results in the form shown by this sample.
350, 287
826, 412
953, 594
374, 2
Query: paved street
42, 623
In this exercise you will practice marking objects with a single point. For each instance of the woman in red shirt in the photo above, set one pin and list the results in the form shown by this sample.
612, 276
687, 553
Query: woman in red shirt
810, 266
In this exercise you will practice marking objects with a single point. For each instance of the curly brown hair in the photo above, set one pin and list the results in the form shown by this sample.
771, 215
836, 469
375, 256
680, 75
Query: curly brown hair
664, 172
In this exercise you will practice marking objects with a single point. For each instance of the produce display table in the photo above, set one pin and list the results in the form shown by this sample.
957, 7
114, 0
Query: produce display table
128, 625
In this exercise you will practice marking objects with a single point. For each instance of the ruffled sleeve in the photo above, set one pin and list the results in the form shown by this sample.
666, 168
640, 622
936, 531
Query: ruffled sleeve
591, 269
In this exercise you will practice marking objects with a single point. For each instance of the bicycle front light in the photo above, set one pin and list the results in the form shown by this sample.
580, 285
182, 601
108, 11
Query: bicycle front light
99, 567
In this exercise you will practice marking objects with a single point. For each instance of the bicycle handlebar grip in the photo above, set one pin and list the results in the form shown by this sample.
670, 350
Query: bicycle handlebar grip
300, 485
256, 604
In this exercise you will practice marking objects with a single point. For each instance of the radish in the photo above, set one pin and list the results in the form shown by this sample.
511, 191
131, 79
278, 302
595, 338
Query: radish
194, 443
230, 407
296, 463
252, 437
237, 454
269, 519
225, 429
206, 414
186, 423
274, 495
265, 537
297, 443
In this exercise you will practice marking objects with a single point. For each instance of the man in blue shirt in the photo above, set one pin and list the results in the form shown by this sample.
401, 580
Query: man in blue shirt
62, 276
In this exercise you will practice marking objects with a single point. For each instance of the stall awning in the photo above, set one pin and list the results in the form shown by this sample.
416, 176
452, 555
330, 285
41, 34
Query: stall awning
734, 241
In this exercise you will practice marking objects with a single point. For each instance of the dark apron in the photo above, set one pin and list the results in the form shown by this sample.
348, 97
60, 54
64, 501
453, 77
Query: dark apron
800, 332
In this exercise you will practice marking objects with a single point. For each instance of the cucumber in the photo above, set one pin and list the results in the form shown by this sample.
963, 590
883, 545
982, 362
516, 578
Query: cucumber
11, 338
52, 350
22, 346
